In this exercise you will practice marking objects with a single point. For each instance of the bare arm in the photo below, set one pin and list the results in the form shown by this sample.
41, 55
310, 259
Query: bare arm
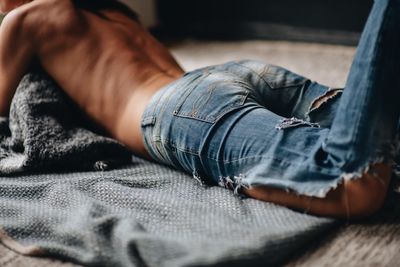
16, 53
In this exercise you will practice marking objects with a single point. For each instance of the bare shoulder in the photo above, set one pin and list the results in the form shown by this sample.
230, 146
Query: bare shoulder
41, 17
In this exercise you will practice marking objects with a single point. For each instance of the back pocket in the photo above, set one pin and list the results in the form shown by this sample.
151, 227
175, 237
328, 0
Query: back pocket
213, 97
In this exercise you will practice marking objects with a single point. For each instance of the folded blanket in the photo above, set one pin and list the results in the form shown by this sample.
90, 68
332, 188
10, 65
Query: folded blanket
46, 131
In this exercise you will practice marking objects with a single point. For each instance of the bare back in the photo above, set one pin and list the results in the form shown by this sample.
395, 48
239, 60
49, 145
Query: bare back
110, 66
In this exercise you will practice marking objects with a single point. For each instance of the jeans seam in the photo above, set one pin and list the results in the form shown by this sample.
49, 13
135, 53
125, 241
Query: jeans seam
217, 118
193, 84
185, 150
328, 171
262, 78
357, 132
250, 157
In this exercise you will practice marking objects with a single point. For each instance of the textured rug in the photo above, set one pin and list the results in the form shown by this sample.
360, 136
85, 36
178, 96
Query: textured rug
147, 215
374, 242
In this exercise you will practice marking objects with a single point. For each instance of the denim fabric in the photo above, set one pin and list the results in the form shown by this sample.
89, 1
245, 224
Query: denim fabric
247, 123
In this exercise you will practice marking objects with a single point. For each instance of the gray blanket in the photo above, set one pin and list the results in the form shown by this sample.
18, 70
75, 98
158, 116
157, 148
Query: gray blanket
46, 131
142, 214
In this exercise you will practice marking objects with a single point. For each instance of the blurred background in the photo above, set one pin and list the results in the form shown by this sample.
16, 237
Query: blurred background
312, 37
147, 10
328, 21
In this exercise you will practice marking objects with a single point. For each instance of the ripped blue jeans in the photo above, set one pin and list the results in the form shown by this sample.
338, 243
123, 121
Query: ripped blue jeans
246, 123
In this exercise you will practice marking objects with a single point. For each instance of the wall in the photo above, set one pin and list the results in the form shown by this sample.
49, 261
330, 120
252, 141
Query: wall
146, 9
331, 21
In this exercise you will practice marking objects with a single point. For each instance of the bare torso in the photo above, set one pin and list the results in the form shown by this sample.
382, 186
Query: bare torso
110, 66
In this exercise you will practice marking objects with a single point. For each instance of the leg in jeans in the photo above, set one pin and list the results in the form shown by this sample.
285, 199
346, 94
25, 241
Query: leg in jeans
292, 96
364, 126
287, 94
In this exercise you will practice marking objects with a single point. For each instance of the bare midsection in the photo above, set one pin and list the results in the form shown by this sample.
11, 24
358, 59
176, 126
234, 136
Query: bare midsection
110, 76
128, 129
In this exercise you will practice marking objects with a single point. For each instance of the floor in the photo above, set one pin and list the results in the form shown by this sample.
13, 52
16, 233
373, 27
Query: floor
327, 64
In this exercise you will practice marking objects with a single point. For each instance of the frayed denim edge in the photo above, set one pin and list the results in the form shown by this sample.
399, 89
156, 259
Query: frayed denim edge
236, 183
295, 122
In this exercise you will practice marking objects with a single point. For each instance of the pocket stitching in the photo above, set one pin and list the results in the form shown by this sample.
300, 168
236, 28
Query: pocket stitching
195, 82
211, 119
268, 66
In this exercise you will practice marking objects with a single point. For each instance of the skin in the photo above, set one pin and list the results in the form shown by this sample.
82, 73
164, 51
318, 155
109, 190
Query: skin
112, 67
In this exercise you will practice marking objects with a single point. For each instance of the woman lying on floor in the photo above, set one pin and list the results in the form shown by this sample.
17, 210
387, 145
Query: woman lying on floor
257, 129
